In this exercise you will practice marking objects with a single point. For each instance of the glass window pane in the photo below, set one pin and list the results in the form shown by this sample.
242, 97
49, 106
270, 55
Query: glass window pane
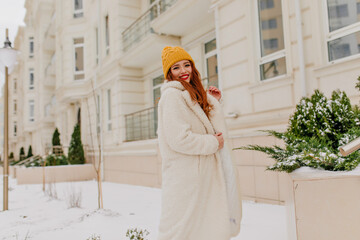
210, 46
31, 45
269, 24
273, 68
212, 71
78, 4
271, 27
158, 80
79, 59
265, 4
107, 31
79, 55
156, 89
157, 94
344, 46
342, 13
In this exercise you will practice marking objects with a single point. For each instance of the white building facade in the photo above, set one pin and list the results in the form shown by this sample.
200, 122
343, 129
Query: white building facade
98, 63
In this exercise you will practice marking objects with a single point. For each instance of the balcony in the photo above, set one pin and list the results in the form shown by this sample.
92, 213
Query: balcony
141, 125
173, 22
141, 44
74, 91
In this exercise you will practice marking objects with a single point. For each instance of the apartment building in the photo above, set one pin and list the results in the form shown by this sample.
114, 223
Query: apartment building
98, 63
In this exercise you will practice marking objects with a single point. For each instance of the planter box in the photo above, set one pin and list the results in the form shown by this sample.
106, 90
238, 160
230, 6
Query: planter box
66, 173
323, 205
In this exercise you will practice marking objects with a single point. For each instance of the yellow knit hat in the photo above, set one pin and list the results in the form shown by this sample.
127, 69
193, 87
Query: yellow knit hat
171, 55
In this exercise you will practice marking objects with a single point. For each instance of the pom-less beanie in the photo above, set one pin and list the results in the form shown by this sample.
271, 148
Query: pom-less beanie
171, 55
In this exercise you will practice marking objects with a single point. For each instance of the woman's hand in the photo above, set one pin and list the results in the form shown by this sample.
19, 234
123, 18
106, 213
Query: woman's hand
215, 92
220, 139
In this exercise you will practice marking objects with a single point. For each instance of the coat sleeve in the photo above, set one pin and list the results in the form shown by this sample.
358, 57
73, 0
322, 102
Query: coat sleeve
176, 128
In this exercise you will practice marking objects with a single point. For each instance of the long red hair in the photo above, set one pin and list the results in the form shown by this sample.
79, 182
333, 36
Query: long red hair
195, 89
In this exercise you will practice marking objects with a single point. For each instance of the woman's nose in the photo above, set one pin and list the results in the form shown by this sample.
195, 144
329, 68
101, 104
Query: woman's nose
182, 69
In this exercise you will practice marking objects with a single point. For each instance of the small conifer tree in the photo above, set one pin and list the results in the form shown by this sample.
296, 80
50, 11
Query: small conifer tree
56, 138
76, 150
11, 156
22, 153
30, 154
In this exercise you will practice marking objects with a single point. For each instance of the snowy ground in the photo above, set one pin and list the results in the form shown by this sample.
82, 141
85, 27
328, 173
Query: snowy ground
37, 216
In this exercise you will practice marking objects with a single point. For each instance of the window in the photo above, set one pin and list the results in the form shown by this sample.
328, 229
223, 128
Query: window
271, 43
272, 62
31, 47
211, 65
154, 10
79, 58
15, 128
338, 11
156, 83
31, 110
78, 9
15, 107
265, 4
109, 125
31, 78
343, 35
107, 40
269, 24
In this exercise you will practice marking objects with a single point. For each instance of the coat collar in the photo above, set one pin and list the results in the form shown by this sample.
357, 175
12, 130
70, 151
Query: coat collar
194, 106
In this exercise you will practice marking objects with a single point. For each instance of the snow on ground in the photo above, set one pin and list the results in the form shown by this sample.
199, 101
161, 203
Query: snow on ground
37, 216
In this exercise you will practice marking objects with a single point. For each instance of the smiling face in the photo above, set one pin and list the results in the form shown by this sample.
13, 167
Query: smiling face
181, 70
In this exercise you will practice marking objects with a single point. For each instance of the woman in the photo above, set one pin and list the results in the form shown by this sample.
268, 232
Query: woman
191, 131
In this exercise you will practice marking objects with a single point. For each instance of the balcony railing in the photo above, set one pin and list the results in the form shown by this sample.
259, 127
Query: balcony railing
141, 125
139, 29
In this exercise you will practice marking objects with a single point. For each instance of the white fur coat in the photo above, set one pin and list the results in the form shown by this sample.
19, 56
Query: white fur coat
194, 202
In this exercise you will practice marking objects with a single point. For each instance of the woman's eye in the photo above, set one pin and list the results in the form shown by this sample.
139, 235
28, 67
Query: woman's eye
174, 68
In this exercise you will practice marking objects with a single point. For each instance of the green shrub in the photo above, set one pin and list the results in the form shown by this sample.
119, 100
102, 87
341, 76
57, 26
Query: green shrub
76, 150
137, 234
56, 138
54, 160
22, 154
318, 127
30, 154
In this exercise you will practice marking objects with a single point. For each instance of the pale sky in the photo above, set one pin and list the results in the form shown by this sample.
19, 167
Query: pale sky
12, 13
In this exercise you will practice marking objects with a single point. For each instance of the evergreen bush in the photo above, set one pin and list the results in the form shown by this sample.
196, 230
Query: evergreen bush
57, 148
318, 127
54, 160
30, 154
56, 138
22, 154
76, 150
11, 156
